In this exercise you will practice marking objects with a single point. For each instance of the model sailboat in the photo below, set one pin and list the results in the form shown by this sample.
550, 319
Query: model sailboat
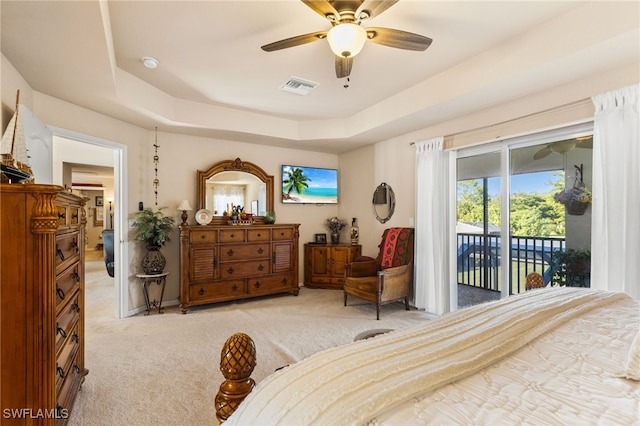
14, 160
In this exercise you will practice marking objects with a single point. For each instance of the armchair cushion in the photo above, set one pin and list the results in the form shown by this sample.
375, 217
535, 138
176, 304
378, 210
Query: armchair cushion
396, 247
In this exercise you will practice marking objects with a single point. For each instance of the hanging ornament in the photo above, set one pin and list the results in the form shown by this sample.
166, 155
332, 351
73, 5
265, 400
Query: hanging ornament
156, 160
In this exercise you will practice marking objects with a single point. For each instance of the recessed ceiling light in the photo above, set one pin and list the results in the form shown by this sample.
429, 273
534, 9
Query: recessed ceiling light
149, 62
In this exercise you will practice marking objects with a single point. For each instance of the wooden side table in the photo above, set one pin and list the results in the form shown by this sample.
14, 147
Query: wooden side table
147, 279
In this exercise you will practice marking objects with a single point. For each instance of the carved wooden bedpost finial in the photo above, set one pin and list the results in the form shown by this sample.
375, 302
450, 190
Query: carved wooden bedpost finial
237, 361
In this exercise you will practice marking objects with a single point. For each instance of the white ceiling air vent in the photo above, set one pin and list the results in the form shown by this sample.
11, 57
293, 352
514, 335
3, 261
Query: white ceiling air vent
299, 86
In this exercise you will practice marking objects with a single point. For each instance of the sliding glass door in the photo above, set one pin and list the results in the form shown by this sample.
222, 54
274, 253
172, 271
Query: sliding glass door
516, 215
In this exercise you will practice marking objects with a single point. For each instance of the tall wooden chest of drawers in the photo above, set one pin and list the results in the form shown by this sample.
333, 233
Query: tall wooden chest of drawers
42, 302
220, 263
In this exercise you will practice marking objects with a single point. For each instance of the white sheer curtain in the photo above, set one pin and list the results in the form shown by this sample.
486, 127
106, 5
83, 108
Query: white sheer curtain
435, 188
615, 222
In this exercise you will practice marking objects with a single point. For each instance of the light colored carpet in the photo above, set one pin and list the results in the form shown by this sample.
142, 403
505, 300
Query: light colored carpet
163, 369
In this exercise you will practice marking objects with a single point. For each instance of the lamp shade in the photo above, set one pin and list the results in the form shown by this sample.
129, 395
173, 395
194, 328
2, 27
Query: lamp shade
184, 206
346, 40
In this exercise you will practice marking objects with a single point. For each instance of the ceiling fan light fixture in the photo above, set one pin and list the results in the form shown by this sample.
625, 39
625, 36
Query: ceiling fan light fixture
346, 40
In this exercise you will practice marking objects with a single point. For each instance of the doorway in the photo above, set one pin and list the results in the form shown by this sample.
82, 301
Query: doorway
75, 148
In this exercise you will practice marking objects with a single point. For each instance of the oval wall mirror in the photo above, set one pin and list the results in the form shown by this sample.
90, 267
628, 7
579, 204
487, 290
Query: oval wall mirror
384, 202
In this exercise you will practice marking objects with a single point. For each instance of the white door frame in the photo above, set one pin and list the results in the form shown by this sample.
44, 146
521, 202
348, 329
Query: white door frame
120, 207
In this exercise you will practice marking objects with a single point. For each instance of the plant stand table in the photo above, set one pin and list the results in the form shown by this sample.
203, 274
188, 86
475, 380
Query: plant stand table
147, 279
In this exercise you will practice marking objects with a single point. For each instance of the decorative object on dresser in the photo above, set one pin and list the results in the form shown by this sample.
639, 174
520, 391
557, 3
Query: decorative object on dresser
153, 227
185, 207
354, 231
324, 264
387, 278
42, 292
335, 225
219, 261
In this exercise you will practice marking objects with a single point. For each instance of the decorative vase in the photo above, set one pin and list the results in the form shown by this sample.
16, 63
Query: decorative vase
270, 217
355, 231
153, 262
335, 237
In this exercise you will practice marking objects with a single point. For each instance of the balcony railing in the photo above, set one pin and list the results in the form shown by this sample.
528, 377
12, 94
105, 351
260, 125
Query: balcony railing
480, 260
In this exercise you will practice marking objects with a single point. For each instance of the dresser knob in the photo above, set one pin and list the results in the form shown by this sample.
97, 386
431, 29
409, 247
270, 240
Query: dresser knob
76, 307
60, 293
75, 338
260, 250
257, 284
201, 291
260, 267
60, 253
234, 287
284, 281
230, 270
76, 276
62, 215
60, 371
230, 253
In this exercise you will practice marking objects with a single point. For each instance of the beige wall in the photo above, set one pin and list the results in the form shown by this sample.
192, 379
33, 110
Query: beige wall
361, 170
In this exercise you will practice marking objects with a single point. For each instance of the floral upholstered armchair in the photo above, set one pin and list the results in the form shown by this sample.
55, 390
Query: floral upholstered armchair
387, 278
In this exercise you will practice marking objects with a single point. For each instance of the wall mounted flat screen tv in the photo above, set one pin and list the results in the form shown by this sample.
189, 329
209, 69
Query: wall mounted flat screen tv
309, 185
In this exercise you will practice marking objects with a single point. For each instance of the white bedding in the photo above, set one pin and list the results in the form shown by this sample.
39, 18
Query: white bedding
544, 357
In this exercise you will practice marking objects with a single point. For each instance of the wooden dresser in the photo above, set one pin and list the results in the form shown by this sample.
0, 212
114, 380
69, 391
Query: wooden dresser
324, 264
220, 263
42, 302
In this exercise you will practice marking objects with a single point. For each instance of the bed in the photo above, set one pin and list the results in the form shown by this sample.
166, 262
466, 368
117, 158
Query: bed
547, 356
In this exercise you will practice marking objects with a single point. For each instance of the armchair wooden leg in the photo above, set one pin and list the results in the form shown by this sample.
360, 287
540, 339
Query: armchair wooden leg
406, 303
345, 298
378, 310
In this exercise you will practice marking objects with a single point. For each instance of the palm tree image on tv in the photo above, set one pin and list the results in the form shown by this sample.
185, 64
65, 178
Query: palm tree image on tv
310, 185
295, 181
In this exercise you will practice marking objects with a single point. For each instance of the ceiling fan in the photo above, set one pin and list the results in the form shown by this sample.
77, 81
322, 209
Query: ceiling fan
346, 36
563, 147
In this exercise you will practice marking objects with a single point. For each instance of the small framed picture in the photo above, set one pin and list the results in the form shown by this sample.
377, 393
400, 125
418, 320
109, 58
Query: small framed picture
321, 239
99, 200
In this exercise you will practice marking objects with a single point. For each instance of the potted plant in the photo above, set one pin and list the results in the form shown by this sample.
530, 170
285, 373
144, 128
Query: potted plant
153, 227
335, 225
571, 268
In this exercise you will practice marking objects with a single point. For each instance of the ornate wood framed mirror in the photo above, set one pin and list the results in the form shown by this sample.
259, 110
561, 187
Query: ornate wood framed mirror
231, 183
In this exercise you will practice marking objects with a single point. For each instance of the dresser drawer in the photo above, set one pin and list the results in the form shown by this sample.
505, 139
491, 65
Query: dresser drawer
234, 235
271, 283
67, 361
244, 269
258, 235
222, 289
245, 252
67, 284
66, 322
282, 233
203, 236
67, 250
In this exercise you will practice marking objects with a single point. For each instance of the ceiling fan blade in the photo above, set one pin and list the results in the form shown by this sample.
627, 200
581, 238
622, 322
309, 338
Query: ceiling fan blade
322, 8
398, 39
542, 153
585, 142
294, 41
343, 66
374, 7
